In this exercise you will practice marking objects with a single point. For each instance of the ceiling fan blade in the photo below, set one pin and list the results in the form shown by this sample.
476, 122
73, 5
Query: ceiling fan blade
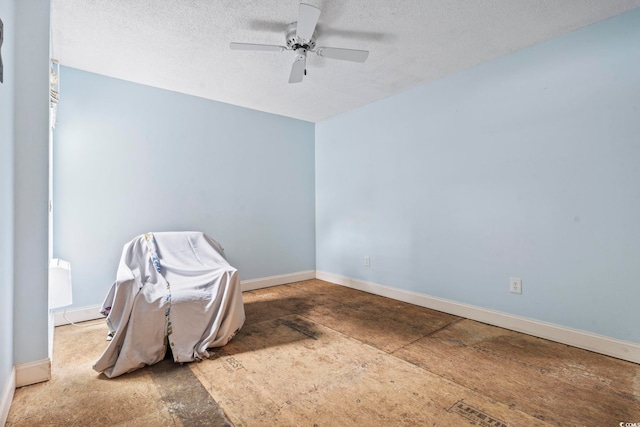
252, 46
297, 70
344, 54
307, 19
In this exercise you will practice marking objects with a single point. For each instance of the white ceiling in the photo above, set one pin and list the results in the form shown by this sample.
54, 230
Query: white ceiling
183, 45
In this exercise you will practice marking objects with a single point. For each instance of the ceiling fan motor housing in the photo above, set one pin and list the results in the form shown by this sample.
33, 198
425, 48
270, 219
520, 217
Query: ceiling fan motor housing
294, 42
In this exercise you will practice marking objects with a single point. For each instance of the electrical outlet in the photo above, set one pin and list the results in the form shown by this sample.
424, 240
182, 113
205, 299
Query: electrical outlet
367, 261
515, 285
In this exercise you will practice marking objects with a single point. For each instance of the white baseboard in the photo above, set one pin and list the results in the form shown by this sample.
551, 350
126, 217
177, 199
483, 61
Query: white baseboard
620, 349
33, 372
92, 312
81, 314
625, 350
266, 282
7, 397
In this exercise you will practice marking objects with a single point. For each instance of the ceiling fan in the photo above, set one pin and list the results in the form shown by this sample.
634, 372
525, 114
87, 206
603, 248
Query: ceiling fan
301, 38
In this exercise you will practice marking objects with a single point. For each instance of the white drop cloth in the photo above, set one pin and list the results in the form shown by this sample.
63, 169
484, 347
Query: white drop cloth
175, 288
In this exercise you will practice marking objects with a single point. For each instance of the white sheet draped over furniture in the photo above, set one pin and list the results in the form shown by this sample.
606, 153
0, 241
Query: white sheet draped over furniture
175, 288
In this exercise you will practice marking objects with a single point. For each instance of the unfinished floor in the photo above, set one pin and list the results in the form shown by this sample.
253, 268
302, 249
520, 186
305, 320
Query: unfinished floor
317, 354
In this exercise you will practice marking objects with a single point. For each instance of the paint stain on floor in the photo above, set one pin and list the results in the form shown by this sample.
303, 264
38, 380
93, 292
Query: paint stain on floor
186, 400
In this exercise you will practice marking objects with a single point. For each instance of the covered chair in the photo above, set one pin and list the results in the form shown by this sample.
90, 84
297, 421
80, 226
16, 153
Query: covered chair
172, 288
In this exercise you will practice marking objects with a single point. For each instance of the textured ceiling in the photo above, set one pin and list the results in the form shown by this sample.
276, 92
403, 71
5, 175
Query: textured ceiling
183, 45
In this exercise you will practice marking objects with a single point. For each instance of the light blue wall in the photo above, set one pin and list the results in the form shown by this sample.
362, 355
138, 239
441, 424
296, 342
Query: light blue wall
31, 166
527, 166
6, 194
129, 159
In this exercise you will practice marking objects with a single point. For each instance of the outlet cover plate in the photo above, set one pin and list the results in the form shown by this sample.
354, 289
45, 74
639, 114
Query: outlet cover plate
515, 285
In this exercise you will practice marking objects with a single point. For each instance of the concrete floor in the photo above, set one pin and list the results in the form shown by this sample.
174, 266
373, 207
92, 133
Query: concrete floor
318, 354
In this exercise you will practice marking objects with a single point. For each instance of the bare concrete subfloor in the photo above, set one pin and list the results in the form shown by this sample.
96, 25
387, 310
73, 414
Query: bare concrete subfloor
317, 354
